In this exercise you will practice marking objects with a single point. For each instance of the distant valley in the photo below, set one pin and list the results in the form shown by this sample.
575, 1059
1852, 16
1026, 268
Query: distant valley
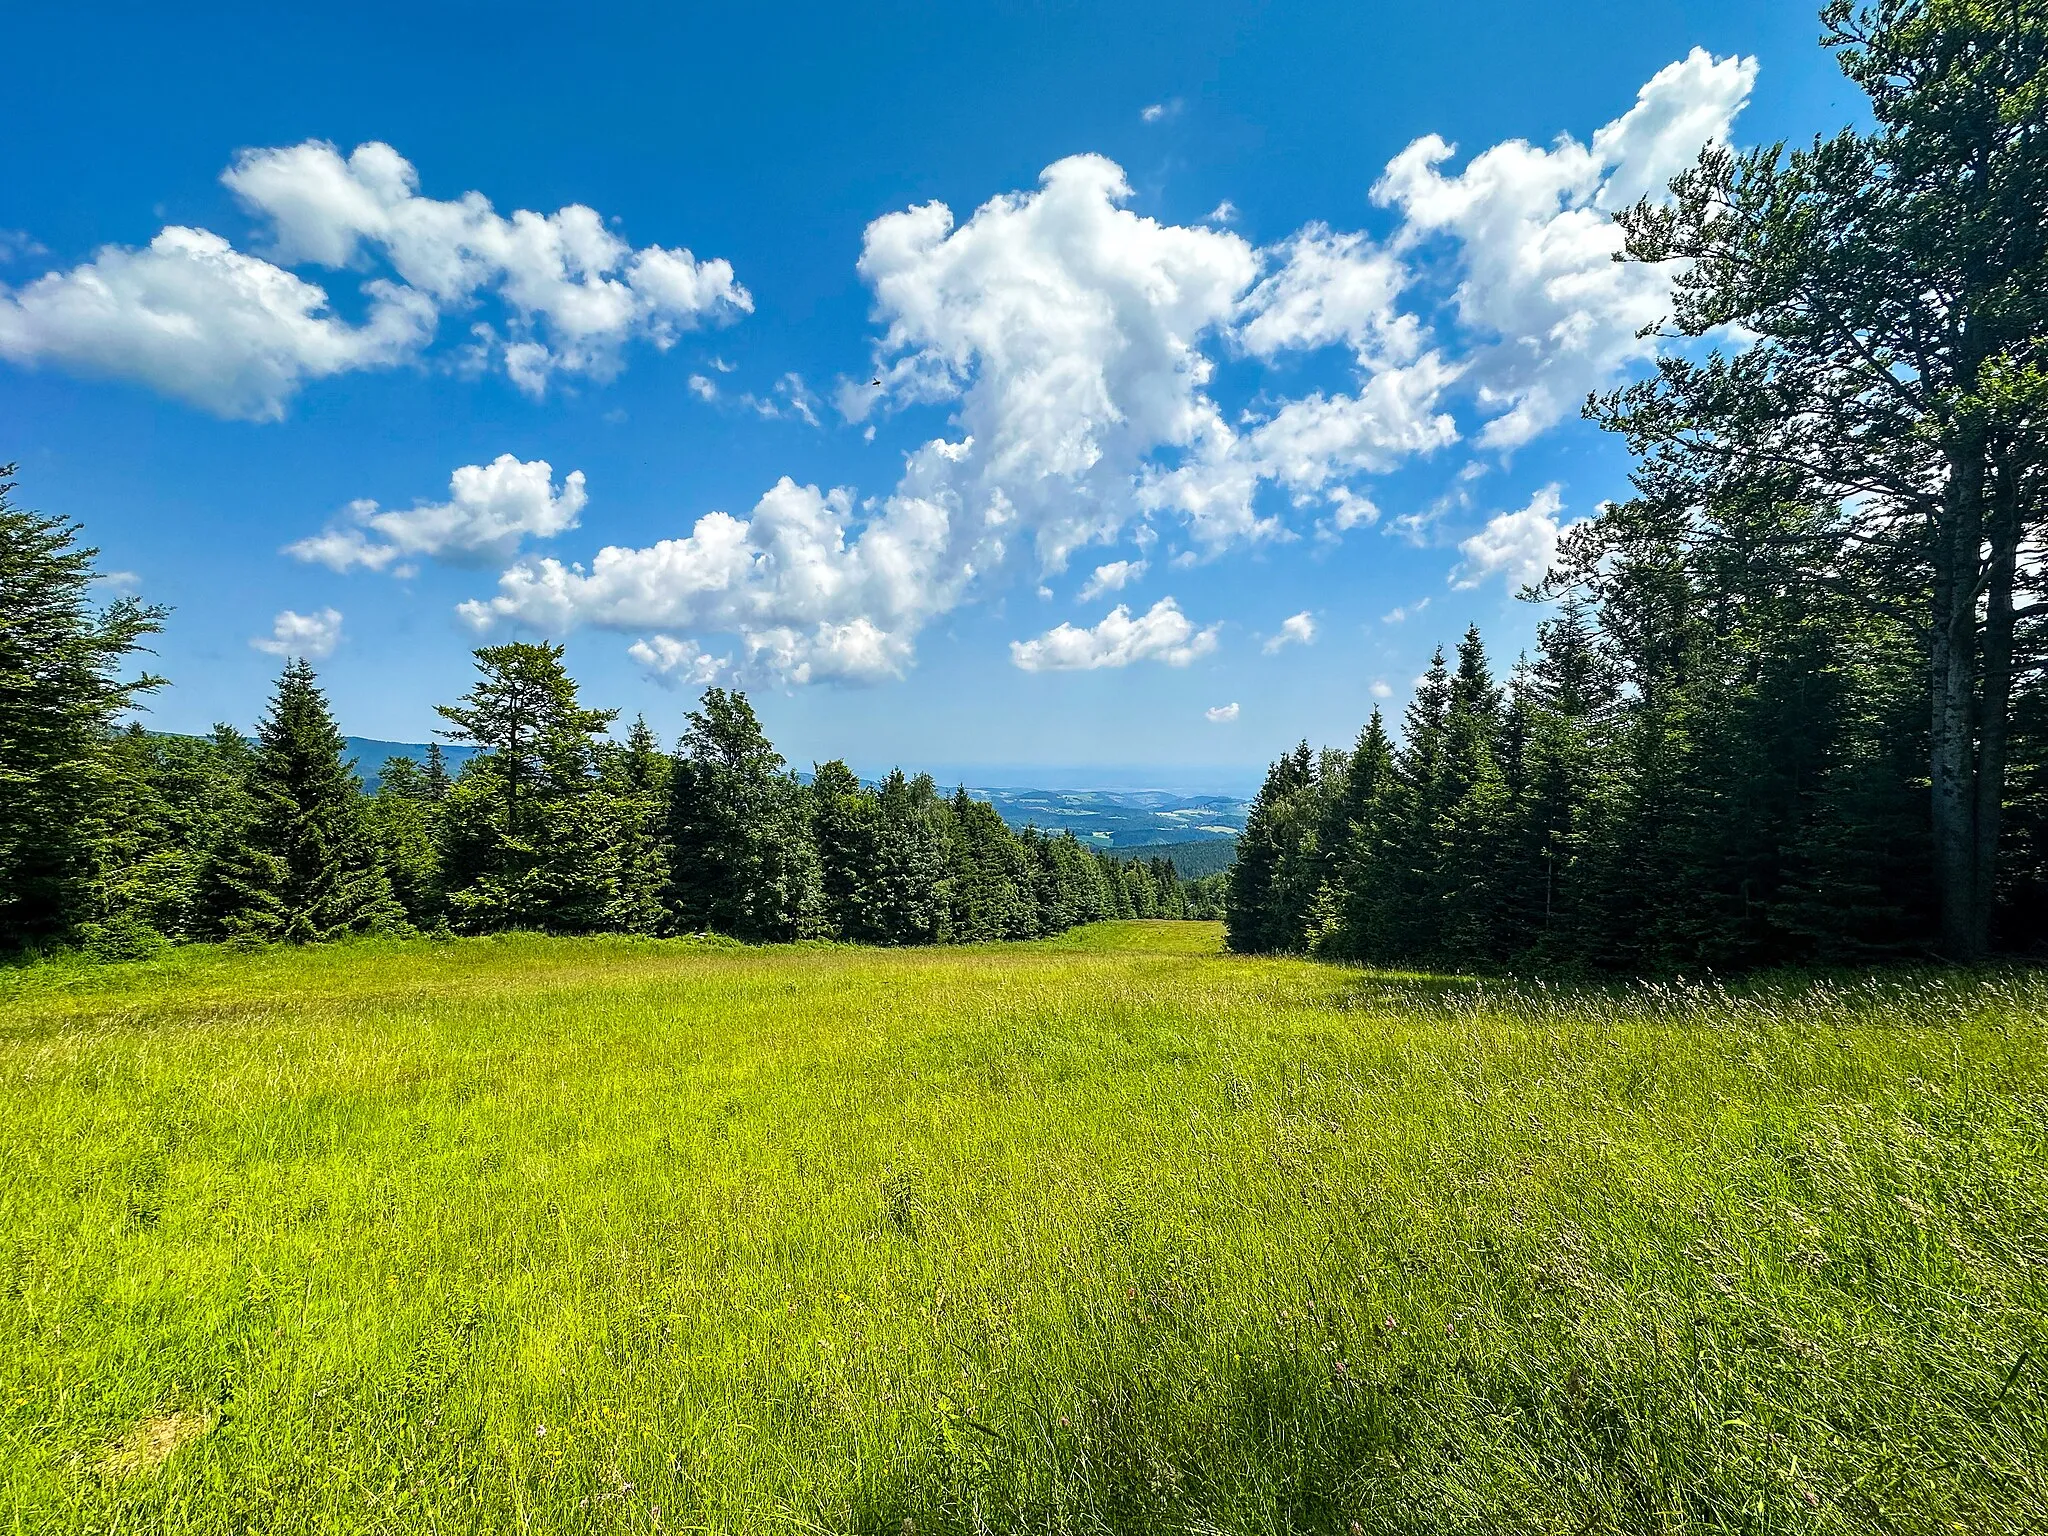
1144, 823
1120, 818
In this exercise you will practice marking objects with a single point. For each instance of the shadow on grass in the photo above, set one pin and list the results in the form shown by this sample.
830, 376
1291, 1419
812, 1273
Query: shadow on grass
1298, 1440
1898, 995
1285, 1443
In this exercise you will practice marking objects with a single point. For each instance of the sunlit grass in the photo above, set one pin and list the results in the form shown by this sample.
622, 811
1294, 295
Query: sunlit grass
1110, 1232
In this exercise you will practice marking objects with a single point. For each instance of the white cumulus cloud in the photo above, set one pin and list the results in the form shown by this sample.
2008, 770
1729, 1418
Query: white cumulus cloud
1299, 629
239, 334
1163, 633
576, 291
1553, 313
489, 510
809, 600
1068, 330
311, 635
1113, 577
1519, 545
678, 663
1221, 714
1064, 331
1349, 509
193, 318
1329, 288
1322, 289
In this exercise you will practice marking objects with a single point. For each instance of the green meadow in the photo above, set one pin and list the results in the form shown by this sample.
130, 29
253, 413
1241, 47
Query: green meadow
1105, 1233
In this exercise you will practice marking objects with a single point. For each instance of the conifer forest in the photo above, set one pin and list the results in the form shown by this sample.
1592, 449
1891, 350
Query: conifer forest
1792, 705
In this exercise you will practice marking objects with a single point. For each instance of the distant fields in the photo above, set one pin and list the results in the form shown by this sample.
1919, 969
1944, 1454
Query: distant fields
1105, 1233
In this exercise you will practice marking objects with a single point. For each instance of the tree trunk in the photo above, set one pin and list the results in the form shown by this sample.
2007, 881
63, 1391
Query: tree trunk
1952, 683
1996, 702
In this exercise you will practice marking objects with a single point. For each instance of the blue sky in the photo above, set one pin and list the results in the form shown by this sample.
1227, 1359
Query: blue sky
1213, 391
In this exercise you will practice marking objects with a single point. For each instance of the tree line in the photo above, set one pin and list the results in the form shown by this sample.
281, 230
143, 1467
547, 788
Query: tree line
1792, 707
123, 840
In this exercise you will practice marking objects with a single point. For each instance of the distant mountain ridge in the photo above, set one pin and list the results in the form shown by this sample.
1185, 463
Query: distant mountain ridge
370, 753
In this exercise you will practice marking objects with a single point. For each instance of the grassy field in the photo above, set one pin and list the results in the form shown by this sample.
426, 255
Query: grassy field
1107, 1233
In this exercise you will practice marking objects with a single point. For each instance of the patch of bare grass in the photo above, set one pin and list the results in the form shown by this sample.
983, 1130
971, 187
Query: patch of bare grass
153, 1441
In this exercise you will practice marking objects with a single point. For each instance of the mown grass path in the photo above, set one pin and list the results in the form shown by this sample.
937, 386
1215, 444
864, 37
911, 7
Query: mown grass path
1108, 1233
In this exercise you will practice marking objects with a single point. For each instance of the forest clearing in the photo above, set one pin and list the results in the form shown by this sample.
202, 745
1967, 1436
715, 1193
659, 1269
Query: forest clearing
1106, 1231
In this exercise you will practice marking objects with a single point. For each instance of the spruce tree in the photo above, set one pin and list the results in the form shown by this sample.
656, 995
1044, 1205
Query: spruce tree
843, 824
635, 782
523, 711
434, 779
304, 866
1406, 915
405, 819
1469, 897
1267, 905
991, 880
907, 891
1360, 861
60, 694
1890, 288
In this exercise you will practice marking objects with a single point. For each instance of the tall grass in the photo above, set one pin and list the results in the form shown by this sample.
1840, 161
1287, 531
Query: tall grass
1107, 1233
